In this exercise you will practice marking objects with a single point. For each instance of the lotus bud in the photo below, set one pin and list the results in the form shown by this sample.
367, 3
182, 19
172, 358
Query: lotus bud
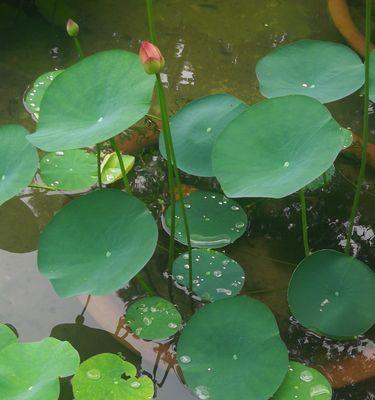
151, 58
72, 28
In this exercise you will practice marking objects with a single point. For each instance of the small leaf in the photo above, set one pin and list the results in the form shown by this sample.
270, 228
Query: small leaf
100, 377
111, 170
153, 318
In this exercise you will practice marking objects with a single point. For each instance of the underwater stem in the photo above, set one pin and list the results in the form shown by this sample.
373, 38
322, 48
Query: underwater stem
362, 170
304, 222
122, 166
98, 163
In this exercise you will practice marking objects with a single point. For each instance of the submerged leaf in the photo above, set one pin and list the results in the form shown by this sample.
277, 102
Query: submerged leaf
93, 100
97, 243
100, 378
153, 318
333, 294
18, 161
111, 170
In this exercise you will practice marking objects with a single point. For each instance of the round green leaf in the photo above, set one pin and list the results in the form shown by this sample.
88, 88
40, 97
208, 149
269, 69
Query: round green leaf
231, 349
111, 170
69, 170
214, 220
30, 371
321, 180
18, 161
215, 276
93, 100
100, 377
153, 318
303, 383
372, 76
35, 94
196, 126
325, 71
277, 147
333, 294
97, 243
7, 336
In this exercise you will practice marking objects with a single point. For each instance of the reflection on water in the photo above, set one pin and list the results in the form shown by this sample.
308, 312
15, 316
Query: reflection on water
210, 46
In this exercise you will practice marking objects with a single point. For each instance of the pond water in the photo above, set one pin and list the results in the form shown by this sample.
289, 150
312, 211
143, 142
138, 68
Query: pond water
211, 46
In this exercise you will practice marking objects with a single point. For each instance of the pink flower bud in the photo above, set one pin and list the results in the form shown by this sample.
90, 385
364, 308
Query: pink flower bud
72, 28
151, 58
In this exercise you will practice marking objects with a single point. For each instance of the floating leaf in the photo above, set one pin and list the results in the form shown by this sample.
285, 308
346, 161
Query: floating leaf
195, 128
214, 220
35, 95
277, 147
100, 377
30, 371
215, 276
97, 243
325, 71
69, 170
303, 383
7, 336
231, 349
93, 100
333, 294
153, 318
18, 161
111, 170
322, 180
372, 76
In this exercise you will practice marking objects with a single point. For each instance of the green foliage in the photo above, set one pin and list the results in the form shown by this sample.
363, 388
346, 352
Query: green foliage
215, 276
92, 101
69, 170
7, 336
333, 294
195, 128
231, 349
153, 318
323, 70
303, 383
277, 147
35, 94
100, 378
111, 170
18, 161
92, 246
214, 220
30, 371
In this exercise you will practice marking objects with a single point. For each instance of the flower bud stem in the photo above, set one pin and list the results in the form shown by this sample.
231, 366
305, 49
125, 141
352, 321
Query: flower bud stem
122, 166
305, 234
78, 48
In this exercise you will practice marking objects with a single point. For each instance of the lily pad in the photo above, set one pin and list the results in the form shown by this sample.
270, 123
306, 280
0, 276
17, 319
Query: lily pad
321, 181
69, 170
215, 276
35, 95
214, 220
7, 336
333, 294
100, 377
18, 161
153, 318
97, 243
303, 383
30, 371
196, 126
93, 100
231, 349
323, 70
111, 170
277, 147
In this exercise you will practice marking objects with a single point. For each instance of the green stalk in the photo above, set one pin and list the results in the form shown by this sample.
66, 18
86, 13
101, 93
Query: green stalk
362, 170
78, 48
35, 186
98, 163
122, 166
304, 222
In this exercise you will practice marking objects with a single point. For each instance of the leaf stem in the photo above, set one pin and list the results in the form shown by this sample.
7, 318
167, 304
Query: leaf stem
304, 222
98, 163
362, 169
122, 166
35, 186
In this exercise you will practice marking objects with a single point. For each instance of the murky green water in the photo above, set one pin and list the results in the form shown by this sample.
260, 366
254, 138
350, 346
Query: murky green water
211, 46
